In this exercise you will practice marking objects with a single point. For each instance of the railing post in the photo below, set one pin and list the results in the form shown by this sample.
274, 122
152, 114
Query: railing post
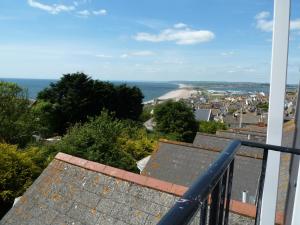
228, 194
261, 186
203, 213
276, 106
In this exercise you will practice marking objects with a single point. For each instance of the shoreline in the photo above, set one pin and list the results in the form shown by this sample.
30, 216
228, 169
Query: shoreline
183, 92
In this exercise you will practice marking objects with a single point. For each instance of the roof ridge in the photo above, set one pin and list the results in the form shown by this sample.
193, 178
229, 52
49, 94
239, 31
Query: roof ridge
149, 182
206, 148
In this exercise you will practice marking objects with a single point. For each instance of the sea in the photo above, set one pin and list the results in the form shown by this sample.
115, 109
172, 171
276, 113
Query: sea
152, 90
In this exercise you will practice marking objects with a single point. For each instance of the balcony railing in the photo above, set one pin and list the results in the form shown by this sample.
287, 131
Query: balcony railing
214, 188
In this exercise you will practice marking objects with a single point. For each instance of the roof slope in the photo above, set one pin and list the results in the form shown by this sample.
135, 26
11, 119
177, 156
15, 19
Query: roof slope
69, 194
74, 191
202, 114
182, 163
209, 141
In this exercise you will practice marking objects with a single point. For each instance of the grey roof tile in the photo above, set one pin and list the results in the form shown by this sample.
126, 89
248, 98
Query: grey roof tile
57, 198
183, 164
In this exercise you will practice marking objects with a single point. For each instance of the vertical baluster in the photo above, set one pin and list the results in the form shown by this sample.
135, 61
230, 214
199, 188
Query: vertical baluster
261, 186
203, 213
228, 195
215, 204
222, 200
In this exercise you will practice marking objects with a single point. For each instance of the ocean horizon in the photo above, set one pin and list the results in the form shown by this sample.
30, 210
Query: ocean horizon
155, 89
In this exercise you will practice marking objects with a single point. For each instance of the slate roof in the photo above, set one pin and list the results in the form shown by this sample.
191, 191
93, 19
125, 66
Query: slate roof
209, 141
182, 163
74, 191
202, 114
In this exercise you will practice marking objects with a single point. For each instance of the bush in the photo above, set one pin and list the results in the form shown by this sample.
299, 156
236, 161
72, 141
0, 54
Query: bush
176, 119
107, 140
211, 127
16, 119
263, 106
18, 169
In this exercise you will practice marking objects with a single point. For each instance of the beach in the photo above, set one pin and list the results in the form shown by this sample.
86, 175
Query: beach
182, 93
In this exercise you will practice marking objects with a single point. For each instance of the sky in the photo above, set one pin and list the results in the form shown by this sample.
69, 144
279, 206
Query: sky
208, 40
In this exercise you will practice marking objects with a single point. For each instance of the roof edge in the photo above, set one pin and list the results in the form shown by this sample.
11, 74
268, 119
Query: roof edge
207, 148
237, 207
149, 182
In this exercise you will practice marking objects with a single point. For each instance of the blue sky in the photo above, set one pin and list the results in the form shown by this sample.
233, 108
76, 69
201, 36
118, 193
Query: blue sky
218, 40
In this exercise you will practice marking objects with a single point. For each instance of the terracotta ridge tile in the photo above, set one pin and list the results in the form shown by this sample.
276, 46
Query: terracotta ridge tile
149, 182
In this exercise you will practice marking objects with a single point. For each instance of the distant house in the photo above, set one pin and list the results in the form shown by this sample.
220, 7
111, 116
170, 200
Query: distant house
203, 114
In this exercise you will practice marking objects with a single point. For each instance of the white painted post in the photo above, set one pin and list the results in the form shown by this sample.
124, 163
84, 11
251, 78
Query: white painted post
276, 107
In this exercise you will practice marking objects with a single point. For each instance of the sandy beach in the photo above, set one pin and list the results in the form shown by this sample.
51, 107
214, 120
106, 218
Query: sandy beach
182, 93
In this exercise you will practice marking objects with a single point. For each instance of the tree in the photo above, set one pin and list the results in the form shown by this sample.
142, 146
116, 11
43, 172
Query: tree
76, 96
43, 113
128, 102
17, 122
176, 118
211, 127
18, 169
106, 140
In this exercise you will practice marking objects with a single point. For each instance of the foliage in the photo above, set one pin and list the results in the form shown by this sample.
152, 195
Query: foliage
44, 114
176, 119
107, 140
211, 127
18, 169
76, 96
17, 122
263, 106
128, 102
146, 114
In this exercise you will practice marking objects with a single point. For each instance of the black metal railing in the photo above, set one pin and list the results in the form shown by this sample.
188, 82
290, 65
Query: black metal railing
217, 182
214, 187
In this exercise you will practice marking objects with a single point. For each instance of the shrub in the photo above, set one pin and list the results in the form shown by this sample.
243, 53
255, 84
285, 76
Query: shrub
211, 127
106, 140
18, 169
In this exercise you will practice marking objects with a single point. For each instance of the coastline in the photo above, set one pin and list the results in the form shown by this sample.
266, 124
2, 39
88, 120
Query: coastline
183, 92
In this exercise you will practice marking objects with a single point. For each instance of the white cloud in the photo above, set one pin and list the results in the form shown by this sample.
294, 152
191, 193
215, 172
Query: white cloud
101, 12
53, 9
137, 53
230, 53
84, 13
142, 53
262, 15
103, 56
295, 24
264, 23
181, 36
180, 25
124, 56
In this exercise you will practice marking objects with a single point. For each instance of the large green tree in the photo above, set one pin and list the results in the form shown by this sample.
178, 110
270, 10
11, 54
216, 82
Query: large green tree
76, 96
17, 124
176, 119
